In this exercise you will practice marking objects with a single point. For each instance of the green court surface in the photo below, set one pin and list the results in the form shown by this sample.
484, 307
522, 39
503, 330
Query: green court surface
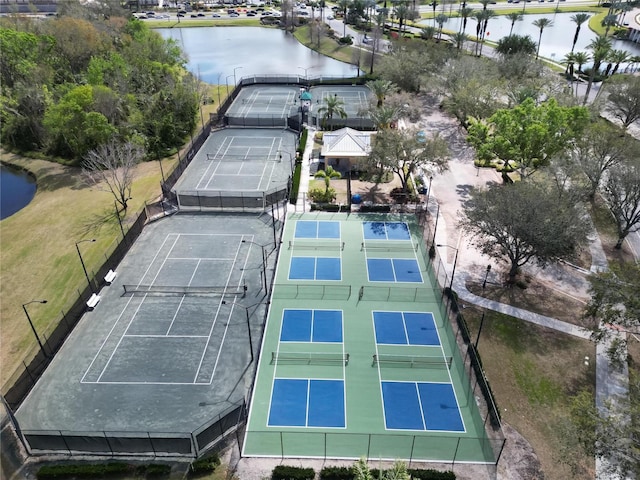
358, 358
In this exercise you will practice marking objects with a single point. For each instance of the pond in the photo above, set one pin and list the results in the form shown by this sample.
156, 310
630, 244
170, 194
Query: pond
216, 53
556, 40
17, 189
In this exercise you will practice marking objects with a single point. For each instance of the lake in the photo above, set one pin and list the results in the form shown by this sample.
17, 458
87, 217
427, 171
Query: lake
556, 40
215, 52
17, 189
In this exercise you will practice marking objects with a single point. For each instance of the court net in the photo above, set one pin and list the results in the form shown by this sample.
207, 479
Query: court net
390, 246
410, 361
309, 358
269, 157
316, 245
175, 290
375, 293
312, 292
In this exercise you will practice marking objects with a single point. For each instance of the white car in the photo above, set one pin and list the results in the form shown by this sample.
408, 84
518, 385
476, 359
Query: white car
330, 17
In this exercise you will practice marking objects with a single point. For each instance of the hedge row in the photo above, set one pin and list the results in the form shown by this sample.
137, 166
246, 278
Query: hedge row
205, 465
104, 470
285, 472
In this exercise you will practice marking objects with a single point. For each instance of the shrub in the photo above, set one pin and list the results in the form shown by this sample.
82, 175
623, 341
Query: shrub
303, 141
157, 471
322, 196
85, 471
293, 195
375, 208
429, 474
345, 40
205, 465
286, 472
337, 473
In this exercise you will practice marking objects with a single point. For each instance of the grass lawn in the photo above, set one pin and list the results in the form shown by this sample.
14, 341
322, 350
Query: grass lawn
328, 46
39, 258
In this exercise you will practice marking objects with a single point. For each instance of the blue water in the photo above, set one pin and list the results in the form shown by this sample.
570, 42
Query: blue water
17, 189
218, 54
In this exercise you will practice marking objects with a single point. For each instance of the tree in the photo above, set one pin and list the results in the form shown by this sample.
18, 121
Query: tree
601, 147
110, 167
578, 19
608, 22
332, 106
541, 23
459, 39
403, 152
441, 19
614, 59
623, 101
514, 44
521, 223
397, 472
528, 134
465, 13
427, 32
600, 48
609, 432
381, 88
621, 190
327, 174
514, 17
581, 58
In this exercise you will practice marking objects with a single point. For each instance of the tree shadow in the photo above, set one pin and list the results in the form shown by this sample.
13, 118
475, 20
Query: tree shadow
97, 221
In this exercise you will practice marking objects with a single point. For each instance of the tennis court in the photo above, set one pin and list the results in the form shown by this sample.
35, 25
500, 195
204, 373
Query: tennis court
360, 364
279, 101
236, 159
167, 349
355, 98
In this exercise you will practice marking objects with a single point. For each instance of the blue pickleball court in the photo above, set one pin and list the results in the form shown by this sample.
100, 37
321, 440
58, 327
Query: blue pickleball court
386, 231
421, 406
317, 229
405, 328
302, 402
315, 268
318, 326
394, 270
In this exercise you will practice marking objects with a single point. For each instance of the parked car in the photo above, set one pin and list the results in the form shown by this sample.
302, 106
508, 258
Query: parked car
216, 15
330, 17
234, 15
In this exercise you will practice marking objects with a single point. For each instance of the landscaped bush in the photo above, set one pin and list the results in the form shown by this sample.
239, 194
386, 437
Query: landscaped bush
322, 196
429, 474
286, 472
375, 208
205, 465
329, 207
303, 141
345, 40
293, 195
105, 470
337, 473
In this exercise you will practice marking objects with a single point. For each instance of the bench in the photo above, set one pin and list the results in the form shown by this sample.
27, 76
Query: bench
93, 301
110, 277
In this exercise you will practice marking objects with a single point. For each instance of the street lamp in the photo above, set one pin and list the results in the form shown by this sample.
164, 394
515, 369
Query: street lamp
226, 82
82, 262
264, 262
246, 311
484, 284
234, 76
24, 307
455, 261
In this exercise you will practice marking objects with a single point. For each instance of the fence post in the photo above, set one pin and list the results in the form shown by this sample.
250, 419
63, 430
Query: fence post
455, 453
281, 446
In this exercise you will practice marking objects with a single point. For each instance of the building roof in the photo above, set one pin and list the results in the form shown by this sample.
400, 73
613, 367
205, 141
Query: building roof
306, 95
346, 142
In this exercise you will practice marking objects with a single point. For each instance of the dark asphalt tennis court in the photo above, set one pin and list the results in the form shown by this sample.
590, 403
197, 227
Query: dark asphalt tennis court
162, 362
240, 160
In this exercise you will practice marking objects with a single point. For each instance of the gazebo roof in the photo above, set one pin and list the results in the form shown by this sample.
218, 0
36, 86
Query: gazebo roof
306, 95
346, 142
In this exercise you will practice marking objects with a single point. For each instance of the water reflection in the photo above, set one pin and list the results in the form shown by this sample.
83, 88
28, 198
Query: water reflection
217, 53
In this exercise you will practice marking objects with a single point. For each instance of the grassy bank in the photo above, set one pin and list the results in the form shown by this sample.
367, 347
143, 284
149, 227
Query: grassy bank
39, 258
328, 46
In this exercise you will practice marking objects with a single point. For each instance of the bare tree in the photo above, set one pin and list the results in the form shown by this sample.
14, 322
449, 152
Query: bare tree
110, 168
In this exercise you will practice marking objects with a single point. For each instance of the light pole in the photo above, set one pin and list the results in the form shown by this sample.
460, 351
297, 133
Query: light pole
235, 82
264, 262
455, 261
24, 307
246, 311
484, 284
429, 192
82, 262
218, 88
226, 82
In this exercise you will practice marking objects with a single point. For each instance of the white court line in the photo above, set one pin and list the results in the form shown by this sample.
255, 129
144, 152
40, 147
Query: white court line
198, 258
424, 421
175, 315
165, 336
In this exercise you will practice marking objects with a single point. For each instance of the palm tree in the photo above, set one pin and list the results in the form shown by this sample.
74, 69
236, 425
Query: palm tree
441, 19
486, 16
578, 19
541, 23
514, 17
328, 173
384, 117
485, 3
381, 88
580, 59
343, 5
459, 39
465, 13
633, 62
333, 106
608, 22
428, 32
600, 46
616, 57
